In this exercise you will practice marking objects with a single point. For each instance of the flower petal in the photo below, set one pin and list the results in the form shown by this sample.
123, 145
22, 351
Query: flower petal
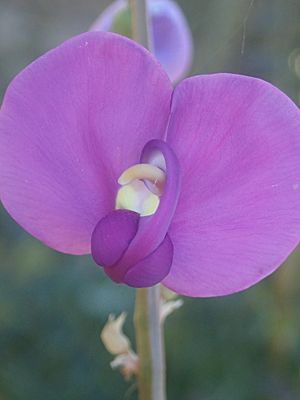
105, 20
238, 143
172, 38
150, 270
70, 123
112, 236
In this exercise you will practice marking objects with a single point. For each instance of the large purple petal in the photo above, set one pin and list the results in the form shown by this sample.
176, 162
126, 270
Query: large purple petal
70, 124
172, 38
238, 143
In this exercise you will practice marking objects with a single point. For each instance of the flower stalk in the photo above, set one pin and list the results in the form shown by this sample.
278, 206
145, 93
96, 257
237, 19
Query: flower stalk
150, 344
141, 28
148, 329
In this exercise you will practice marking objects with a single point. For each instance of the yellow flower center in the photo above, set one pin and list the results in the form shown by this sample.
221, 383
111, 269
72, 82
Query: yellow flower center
141, 187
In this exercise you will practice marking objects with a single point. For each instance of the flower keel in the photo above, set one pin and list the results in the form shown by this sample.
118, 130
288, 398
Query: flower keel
136, 249
142, 184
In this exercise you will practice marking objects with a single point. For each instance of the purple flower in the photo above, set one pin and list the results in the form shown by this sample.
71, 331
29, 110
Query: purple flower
172, 38
208, 199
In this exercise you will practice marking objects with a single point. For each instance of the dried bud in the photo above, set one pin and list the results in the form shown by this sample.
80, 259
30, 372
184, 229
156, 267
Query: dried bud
113, 337
168, 307
127, 363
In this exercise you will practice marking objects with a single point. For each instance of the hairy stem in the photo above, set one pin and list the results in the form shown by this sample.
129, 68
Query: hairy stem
150, 346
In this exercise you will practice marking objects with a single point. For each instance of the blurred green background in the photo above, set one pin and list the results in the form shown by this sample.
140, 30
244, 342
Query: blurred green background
53, 307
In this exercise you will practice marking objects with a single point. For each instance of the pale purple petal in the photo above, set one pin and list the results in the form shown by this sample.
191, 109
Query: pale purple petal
238, 143
70, 124
172, 38
105, 20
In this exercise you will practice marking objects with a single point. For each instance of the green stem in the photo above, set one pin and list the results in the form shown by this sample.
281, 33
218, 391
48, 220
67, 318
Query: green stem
149, 335
141, 28
150, 344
